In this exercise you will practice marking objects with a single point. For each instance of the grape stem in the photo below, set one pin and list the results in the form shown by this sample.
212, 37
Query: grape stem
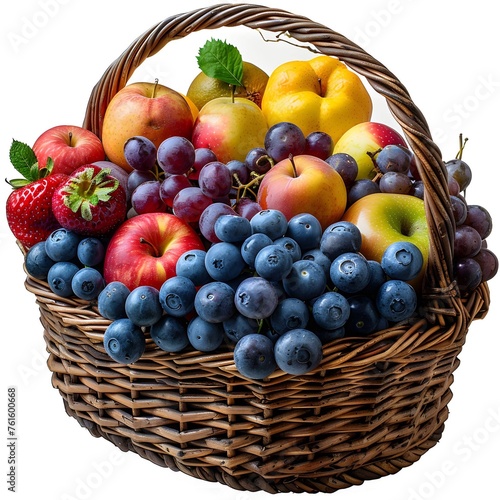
462, 143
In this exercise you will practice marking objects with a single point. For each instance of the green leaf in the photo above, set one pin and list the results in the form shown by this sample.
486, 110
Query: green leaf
221, 60
23, 159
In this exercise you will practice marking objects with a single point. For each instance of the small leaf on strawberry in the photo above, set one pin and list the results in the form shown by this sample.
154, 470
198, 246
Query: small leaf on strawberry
23, 159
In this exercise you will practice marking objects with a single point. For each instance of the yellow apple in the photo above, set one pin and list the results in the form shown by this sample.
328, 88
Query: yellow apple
230, 128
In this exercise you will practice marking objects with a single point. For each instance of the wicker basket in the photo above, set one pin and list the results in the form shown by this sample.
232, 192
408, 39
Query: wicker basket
373, 406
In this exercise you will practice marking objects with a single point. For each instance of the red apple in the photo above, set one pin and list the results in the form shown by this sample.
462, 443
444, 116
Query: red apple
148, 109
69, 146
144, 250
364, 139
230, 128
385, 218
304, 183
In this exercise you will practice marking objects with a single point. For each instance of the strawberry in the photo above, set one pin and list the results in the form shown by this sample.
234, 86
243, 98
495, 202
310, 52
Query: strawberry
91, 202
29, 206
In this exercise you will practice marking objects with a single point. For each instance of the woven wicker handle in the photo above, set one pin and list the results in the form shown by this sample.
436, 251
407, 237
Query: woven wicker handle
438, 286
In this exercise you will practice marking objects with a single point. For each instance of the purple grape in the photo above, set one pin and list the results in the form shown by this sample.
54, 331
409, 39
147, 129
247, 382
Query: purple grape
140, 153
215, 180
258, 160
467, 241
345, 165
202, 156
176, 155
480, 219
146, 198
246, 207
361, 188
459, 207
319, 144
460, 171
284, 139
171, 185
137, 177
395, 182
468, 274
488, 262
394, 158
189, 204
240, 170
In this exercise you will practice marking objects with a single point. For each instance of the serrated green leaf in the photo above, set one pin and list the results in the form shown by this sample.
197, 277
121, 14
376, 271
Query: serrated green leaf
221, 60
23, 159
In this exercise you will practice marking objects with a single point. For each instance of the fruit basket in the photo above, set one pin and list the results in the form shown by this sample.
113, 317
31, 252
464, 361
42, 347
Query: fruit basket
373, 406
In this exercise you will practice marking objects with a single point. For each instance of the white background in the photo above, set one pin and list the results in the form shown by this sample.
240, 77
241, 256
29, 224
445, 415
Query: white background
54, 51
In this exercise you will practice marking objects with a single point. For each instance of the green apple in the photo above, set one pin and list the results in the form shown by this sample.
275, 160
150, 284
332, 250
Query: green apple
385, 218
230, 128
301, 184
365, 139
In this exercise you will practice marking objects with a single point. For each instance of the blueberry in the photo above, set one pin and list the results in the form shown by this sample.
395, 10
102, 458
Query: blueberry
37, 262
306, 230
402, 260
291, 246
289, 314
331, 310
271, 222
237, 326
298, 351
256, 298
60, 276
91, 251
191, 264
214, 302
124, 342
273, 262
204, 336
62, 245
111, 301
253, 245
143, 306
170, 334
326, 335
350, 272
177, 296
87, 283
305, 281
316, 255
364, 316
377, 278
254, 356
224, 261
232, 228
340, 237
396, 300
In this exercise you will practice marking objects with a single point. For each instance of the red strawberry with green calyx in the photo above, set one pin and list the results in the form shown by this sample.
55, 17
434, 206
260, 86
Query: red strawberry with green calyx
91, 202
29, 206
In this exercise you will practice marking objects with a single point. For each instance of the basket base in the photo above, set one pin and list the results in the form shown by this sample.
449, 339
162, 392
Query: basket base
256, 483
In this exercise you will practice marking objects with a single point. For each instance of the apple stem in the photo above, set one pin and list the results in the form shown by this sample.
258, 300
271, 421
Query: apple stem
290, 157
70, 138
233, 90
146, 242
320, 87
154, 88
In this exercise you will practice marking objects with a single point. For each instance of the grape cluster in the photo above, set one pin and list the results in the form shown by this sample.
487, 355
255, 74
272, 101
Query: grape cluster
272, 289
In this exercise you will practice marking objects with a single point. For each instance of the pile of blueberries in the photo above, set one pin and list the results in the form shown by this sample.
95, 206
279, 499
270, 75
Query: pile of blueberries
273, 290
